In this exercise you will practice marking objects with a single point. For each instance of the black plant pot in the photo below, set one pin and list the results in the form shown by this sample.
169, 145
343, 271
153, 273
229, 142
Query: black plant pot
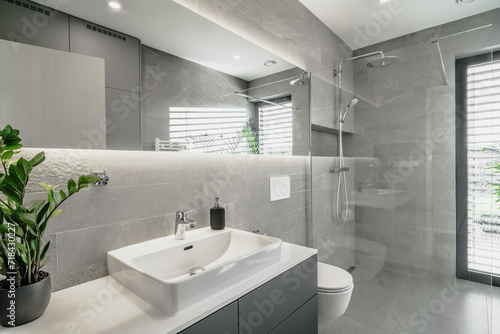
30, 303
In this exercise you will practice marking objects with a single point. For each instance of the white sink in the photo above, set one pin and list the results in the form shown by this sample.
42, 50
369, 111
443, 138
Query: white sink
159, 270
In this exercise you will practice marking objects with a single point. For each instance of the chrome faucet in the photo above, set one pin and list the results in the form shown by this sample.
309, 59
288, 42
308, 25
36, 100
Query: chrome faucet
182, 222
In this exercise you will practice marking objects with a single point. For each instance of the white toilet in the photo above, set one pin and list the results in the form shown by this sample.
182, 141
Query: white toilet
369, 256
335, 287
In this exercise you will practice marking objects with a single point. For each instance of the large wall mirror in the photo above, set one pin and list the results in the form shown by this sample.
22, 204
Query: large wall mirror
152, 75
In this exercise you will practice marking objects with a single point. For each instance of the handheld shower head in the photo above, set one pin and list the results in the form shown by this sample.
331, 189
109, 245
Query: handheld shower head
349, 106
352, 103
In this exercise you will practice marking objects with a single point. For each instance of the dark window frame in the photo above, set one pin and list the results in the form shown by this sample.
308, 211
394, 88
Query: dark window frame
258, 105
461, 66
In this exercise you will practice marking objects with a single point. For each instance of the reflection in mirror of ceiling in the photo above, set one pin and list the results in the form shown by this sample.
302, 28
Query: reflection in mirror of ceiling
172, 28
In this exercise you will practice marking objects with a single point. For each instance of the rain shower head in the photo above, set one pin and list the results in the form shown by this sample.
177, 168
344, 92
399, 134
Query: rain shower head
382, 61
349, 106
302, 81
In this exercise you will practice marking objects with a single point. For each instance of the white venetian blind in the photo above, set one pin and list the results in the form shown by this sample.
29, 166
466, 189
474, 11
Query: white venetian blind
276, 129
213, 130
483, 130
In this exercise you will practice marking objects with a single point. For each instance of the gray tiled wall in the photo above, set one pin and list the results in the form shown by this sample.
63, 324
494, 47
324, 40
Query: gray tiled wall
145, 191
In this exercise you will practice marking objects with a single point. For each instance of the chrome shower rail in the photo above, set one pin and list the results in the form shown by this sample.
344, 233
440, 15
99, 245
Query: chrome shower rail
439, 55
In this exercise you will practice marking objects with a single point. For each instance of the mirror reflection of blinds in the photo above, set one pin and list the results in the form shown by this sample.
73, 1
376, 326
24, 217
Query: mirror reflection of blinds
276, 129
483, 130
213, 130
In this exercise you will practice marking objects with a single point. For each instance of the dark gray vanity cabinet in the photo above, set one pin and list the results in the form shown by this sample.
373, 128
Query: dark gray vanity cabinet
287, 304
302, 321
30, 23
263, 309
224, 321
120, 52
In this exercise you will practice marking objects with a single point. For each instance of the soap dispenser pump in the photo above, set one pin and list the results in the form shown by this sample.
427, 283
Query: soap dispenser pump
217, 216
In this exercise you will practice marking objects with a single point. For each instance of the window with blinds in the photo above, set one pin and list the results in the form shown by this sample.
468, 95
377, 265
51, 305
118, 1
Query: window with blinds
276, 129
478, 131
212, 130
483, 131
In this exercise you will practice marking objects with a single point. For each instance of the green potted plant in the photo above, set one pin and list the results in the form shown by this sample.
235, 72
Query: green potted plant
251, 136
26, 289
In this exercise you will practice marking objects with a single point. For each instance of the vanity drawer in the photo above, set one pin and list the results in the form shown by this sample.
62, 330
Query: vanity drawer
304, 320
261, 310
224, 321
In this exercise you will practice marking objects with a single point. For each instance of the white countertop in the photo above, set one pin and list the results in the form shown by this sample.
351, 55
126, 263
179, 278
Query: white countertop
105, 306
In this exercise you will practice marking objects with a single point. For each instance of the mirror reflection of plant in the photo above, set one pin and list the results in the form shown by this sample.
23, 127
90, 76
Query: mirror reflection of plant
252, 138
22, 226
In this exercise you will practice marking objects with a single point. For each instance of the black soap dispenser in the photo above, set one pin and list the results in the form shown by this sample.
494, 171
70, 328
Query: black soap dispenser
217, 216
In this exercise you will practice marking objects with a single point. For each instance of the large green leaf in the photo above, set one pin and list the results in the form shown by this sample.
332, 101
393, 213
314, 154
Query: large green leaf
44, 251
72, 189
37, 159
28, 218
17, 173
24, 165
42, 227
6, 156
13, 195
55, 196
63, 195
42, 212
19, 231
34, 244
48, 189
85, 180
44, 262
24, 257
21, 247
4, 228
81, 181
35, 207
56, 213
13, 147
31, 229
14, 183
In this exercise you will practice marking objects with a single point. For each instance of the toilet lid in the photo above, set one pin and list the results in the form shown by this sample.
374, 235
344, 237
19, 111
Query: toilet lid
333, 279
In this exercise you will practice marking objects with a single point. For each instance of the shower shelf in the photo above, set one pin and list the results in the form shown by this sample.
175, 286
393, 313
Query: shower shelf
380, 198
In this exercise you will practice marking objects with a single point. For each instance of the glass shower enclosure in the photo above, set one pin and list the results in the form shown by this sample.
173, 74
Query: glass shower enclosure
421, 234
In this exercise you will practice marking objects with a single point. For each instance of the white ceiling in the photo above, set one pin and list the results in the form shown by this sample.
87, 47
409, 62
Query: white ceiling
169, 27
360, 23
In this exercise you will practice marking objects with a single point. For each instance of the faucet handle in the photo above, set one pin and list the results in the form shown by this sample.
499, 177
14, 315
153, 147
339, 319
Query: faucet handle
182, 215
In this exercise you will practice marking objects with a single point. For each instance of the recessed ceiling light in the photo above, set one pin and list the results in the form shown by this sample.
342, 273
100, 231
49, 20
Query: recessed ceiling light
114, 5
270, 63
383, 1
236, 57
464, 2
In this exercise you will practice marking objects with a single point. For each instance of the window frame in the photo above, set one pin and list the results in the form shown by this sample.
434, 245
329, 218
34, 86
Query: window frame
461, 175
278, 100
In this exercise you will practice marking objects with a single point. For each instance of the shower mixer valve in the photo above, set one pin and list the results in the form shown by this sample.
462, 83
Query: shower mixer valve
339, 169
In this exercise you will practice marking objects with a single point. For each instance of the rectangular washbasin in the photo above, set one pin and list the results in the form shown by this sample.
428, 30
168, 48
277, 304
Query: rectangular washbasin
159, 270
